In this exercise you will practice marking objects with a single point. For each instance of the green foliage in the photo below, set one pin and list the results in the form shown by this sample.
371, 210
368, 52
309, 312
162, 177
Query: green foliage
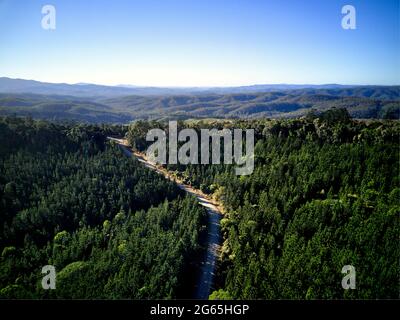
324, 194
361, 102
111, 227
220, 295
61, 237
8, 251
15, 291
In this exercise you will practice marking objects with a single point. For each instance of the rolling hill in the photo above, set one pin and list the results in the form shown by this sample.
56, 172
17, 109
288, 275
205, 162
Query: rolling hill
93, 103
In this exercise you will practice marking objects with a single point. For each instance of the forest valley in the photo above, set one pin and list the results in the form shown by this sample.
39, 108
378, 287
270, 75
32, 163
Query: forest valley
324, 194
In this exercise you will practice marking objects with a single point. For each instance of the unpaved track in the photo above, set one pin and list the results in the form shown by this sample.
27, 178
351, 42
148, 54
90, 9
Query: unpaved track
206, 277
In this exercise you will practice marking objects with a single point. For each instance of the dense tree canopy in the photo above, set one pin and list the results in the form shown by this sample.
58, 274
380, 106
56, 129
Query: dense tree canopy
111, 228
324, 194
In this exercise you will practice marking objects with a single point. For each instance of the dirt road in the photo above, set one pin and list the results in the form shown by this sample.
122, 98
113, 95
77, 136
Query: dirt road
206, 277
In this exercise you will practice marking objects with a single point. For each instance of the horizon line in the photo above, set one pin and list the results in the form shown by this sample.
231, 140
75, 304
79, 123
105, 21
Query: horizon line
127, 85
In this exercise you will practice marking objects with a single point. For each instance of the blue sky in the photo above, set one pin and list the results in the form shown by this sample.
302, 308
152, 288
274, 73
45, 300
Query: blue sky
201, 43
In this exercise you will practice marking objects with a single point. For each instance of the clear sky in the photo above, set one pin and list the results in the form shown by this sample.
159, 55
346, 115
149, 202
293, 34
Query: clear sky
201, 43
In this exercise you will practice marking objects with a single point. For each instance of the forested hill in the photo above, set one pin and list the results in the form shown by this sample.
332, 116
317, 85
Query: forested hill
88, 90
324, 194
111, 227
282, 104
361, 102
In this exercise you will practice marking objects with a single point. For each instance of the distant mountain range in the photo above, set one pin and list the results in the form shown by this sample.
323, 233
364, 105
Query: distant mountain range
8, 85
98, 103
